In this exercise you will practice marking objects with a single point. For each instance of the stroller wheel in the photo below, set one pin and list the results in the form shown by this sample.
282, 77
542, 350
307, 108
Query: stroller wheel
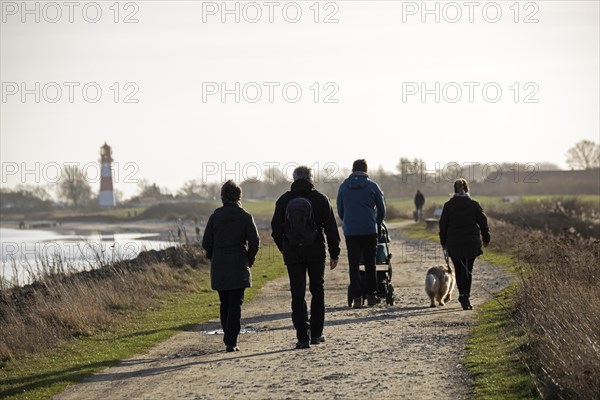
389, 299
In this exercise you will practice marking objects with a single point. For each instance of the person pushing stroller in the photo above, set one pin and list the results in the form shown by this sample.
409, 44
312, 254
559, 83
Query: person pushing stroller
361, 208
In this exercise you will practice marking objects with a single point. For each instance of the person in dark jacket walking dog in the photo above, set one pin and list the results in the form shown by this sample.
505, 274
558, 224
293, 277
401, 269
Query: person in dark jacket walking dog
303, 217
361, 208
463, 225
231, 242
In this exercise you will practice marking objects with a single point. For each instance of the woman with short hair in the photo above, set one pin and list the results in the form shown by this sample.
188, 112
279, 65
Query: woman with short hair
231, 242
463, 225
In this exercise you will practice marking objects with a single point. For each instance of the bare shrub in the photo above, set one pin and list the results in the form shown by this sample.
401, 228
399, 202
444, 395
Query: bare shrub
568, 216
558, 305
392, 212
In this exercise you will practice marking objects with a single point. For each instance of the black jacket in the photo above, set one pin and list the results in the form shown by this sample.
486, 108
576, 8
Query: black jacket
231, 243
419, 200
462, 225
324, 218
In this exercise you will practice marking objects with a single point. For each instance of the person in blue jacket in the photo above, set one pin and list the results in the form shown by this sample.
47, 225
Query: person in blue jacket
361, 208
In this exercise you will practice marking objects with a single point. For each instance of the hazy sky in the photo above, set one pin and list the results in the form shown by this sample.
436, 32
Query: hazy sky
372, 61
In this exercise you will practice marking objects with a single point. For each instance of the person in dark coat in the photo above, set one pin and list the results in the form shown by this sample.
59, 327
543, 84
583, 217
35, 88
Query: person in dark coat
463, 230
419, 203
307, 259
361, 208
231, 242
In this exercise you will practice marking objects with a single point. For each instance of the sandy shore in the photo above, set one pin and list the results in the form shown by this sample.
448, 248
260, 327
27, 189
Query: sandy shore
387, 352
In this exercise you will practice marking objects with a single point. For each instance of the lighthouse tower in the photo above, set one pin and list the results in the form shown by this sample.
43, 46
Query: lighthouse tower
107, 196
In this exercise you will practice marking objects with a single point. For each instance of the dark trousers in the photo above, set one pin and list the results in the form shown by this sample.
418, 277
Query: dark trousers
463, 269
316, 275
365, 246
419, 210
231, 314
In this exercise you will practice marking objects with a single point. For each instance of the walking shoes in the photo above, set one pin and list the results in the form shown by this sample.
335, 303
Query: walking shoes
317, 340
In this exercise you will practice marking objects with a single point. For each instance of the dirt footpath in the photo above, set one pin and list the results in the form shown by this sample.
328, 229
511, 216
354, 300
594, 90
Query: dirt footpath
386, 352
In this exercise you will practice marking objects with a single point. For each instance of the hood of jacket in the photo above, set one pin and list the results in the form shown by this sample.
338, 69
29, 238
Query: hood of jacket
360, 205
302, 186
358, 180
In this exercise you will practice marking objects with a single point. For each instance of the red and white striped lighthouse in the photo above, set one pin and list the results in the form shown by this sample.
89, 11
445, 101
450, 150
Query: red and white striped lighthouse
107, 196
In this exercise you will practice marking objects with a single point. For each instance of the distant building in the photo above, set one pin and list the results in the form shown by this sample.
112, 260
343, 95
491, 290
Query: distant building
107, 195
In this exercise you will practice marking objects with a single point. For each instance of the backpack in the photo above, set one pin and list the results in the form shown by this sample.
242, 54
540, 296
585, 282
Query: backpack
299, 225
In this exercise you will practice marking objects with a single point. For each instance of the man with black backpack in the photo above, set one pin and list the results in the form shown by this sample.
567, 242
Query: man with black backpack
303, 217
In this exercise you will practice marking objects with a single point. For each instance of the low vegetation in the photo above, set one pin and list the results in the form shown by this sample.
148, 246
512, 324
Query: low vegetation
558, 307
562, 216
497, 352
38, 316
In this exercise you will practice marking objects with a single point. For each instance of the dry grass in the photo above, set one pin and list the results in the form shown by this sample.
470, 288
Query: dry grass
561, 216
55, 307
558, 306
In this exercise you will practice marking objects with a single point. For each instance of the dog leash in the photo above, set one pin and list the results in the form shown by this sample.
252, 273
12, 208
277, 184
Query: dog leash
447, 260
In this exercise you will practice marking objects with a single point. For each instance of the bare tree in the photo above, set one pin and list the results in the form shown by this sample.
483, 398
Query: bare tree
148, 189
191, 189
411, 170
212, 190
274, 176
41, 192
584, 155
25, 197
73, 187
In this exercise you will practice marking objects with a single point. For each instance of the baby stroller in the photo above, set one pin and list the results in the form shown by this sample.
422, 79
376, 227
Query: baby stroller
383, 265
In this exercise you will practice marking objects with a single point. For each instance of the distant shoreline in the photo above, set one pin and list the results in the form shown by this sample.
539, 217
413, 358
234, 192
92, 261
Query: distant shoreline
164, 230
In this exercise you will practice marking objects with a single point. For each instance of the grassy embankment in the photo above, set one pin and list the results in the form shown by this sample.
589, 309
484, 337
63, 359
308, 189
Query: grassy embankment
174, 307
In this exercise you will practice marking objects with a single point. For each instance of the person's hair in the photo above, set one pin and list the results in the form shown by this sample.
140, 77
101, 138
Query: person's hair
302, 172
359, 165
231, 192
461, 185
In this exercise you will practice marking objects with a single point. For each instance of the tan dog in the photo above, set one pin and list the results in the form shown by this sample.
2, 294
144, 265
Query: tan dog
439, 284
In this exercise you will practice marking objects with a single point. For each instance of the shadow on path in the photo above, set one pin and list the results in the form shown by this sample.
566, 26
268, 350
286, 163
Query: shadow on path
119, 376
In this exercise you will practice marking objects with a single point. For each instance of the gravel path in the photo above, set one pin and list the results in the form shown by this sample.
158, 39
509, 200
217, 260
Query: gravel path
405, 351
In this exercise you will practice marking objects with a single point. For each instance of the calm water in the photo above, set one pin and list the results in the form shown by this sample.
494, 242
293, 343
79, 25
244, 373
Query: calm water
26, 250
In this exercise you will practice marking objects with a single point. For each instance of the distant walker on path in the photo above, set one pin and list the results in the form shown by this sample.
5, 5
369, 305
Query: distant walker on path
419, 203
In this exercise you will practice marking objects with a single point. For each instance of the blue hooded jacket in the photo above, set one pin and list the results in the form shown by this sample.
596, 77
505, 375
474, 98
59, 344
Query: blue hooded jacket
360, 205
